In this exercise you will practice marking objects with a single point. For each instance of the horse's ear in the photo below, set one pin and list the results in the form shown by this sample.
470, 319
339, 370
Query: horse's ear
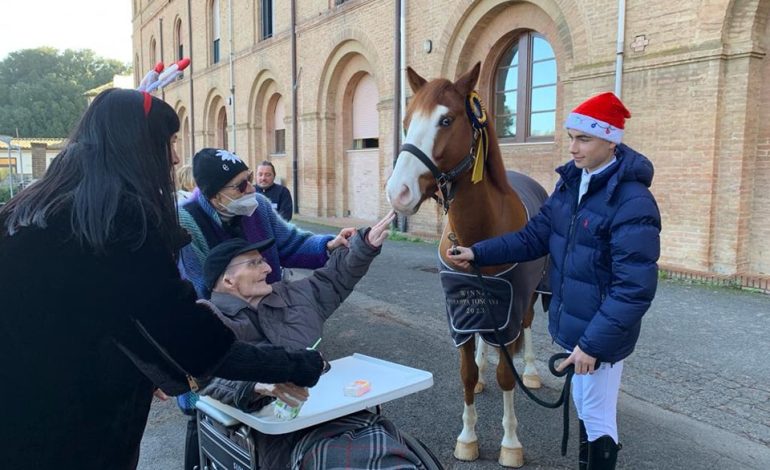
467, 82
415, 80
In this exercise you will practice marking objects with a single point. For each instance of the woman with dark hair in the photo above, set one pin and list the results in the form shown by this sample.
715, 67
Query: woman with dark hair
92, 299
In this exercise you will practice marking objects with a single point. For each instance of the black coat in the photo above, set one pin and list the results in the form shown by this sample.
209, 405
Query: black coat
71, 398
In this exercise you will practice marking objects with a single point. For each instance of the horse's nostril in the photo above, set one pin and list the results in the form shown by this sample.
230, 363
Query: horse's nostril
403, 195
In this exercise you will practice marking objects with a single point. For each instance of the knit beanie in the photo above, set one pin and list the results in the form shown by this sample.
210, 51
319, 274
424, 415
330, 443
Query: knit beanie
214, 168
603, 116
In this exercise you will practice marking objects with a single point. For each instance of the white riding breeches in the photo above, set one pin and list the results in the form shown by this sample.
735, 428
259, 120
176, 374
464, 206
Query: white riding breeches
596, 400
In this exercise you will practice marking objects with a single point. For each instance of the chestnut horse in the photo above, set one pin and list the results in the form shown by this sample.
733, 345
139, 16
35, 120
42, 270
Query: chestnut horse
440, 125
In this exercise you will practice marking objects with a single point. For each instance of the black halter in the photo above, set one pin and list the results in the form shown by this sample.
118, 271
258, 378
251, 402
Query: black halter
444, 180
478, 121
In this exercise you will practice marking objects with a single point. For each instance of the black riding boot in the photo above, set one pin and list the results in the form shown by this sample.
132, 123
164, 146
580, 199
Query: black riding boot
602, 454
583, 447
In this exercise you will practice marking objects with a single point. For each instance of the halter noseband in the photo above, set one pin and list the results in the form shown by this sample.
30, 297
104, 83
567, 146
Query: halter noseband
478, 119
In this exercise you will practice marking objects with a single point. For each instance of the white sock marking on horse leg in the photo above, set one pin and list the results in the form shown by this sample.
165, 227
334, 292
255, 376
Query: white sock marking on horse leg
468, 433
529, 354
510, 423
481, 357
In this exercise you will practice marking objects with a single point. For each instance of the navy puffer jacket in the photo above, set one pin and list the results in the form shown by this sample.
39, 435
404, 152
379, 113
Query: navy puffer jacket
604, 255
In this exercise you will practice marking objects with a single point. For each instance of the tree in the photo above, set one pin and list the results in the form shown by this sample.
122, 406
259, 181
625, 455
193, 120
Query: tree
41, 90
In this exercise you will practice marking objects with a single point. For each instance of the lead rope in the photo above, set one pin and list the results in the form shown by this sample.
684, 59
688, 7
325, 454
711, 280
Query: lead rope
563, 399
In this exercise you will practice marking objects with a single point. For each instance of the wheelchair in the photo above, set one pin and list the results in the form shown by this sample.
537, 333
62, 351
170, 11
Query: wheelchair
226, 443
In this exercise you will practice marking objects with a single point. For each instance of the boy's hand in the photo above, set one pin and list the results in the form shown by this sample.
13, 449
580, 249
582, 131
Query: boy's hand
584, 364
460, 256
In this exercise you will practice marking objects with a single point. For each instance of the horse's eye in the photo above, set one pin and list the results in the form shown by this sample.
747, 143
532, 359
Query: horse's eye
445, 121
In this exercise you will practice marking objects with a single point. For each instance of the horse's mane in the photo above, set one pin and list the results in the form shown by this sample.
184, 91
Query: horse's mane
430, 94
494, 164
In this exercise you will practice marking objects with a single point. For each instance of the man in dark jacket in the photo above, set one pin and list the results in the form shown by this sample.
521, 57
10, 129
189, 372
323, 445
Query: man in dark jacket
279, 195
601, 227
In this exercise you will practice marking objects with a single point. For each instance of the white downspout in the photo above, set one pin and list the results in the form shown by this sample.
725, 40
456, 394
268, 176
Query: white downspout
619, 48
232, 74
403, 61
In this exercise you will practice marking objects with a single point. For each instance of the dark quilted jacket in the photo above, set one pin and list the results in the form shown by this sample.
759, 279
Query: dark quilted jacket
604, 255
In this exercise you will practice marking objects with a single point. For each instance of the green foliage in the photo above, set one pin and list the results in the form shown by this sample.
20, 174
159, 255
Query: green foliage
401, 236
41, 90
5, 194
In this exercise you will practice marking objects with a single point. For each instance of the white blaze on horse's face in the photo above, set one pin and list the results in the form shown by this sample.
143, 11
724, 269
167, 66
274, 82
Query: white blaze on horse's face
403, 189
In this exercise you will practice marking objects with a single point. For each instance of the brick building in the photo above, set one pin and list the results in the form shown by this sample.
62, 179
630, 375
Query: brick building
694, 73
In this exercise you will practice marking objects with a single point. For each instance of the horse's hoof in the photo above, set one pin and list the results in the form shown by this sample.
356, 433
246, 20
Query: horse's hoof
511, 457
478, 388
467, 451
532, 381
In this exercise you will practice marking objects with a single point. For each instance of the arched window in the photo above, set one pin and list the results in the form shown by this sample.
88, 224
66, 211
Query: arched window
366, 121
279, 127
153, 53
222, 137
525, 90
178, 46
214, 15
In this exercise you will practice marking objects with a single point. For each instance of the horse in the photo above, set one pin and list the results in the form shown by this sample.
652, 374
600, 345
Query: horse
442, 123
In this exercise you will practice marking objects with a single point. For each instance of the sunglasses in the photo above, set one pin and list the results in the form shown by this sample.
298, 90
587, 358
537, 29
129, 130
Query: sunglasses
241, 187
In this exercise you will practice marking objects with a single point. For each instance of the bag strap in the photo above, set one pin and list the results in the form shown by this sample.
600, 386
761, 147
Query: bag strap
191, 381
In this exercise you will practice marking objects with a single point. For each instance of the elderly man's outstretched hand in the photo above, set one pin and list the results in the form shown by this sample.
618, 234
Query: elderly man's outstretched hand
379, 231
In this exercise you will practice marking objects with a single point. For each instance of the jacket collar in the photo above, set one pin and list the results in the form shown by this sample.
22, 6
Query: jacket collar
631, 166
230, 305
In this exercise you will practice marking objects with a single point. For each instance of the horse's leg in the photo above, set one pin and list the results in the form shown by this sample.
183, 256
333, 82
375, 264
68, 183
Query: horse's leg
511, 452
482, 350
531, 377
467, 447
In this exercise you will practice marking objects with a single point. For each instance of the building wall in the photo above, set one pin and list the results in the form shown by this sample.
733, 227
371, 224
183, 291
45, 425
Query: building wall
694, 77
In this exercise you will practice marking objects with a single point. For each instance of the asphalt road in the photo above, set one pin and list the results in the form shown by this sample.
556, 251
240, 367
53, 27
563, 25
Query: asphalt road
695, 394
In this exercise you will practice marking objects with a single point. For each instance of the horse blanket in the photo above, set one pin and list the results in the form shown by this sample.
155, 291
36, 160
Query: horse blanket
475, 306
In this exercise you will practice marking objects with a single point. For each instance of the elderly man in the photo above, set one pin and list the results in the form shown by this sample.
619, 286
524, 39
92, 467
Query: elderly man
292, 314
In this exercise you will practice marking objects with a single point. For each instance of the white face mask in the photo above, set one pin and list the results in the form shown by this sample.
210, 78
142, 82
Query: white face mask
244, 205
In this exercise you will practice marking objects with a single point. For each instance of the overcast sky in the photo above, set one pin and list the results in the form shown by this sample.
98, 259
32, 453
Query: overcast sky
101, 25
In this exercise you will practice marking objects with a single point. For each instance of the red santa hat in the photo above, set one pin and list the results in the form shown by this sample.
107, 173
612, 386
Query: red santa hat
601, 116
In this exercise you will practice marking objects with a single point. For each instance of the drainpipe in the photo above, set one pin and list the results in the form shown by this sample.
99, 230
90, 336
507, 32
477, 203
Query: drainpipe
190, 71
397, 83
403, 223
160, 36
402, 54
294, 107
232, 73
619, 47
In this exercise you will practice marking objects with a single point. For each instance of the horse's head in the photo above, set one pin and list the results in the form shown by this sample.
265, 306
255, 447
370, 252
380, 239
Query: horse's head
438, 125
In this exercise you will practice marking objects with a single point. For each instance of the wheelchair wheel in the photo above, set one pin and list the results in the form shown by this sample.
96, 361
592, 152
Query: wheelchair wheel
427, 457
